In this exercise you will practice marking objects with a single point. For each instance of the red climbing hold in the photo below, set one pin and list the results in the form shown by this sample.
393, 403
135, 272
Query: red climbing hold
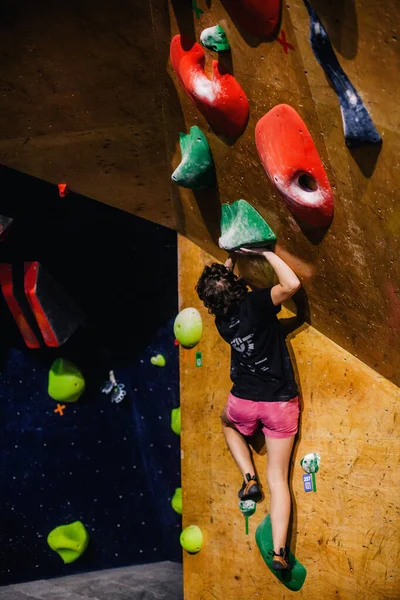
63, 189
221, 99
16, 307
257, 17
56, 314
291, 161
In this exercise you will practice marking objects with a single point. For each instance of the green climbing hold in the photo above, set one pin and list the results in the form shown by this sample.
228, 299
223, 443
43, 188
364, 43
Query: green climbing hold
191, 539
293, 579
214, 38
176, 420
196, 169
158, 361
176, 501
310, 462
243, 226
247, 507
188, 327
69, 541
66, 382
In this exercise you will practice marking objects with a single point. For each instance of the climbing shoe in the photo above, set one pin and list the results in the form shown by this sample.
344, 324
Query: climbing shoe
280, 562
250, 489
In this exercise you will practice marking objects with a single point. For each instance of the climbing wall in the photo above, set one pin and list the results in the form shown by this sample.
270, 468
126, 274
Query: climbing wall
348, 267
90, 97
95, 97
345, 533
112, 465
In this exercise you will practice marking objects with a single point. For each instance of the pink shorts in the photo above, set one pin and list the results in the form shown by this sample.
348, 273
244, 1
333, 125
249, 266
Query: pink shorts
277, 419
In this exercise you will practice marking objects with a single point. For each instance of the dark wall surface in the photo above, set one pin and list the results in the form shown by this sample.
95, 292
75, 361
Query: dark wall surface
112, 466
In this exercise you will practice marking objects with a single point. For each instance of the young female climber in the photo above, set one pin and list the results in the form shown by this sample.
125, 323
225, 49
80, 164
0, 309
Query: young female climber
264, 391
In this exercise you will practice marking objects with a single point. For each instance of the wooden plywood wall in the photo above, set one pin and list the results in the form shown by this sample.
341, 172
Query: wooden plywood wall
351, 275
345, 534
89, 98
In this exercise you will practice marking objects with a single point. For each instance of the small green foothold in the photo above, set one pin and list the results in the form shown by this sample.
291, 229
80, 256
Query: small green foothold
214, 38
176, 501
158, 361
196, 169
191, 539
310, 462
199, 359
66, 382
247, 508
69, 541
243, 226
176, 420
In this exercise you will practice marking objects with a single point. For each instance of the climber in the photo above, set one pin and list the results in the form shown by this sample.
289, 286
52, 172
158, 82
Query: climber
264, 392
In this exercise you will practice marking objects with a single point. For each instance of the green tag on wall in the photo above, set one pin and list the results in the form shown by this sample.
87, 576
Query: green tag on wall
199, 360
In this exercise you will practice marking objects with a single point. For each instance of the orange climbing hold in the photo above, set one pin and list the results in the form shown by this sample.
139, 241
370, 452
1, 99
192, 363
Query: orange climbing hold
291, 161
63, 189
260, 18
221, 99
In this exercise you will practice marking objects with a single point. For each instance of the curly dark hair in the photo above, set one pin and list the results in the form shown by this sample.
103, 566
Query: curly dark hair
220, 289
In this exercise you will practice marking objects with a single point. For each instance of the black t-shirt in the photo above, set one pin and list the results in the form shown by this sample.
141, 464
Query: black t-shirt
261, 369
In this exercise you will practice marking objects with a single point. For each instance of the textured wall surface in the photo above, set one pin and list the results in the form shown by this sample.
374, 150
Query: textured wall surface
113, 466
89, 96
350, 274
345, 534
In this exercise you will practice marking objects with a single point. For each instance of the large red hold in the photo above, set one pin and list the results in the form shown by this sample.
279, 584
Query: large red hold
221, 99
16, 304
291, 161
55, 312
256, 17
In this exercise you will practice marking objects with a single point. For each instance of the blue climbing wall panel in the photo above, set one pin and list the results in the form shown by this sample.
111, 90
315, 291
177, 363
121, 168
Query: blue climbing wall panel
112, 466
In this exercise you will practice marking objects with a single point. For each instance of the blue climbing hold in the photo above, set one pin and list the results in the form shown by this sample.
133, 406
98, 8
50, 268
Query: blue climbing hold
357, 124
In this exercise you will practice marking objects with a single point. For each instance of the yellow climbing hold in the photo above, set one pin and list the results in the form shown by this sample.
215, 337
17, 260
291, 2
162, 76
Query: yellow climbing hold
69, 541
